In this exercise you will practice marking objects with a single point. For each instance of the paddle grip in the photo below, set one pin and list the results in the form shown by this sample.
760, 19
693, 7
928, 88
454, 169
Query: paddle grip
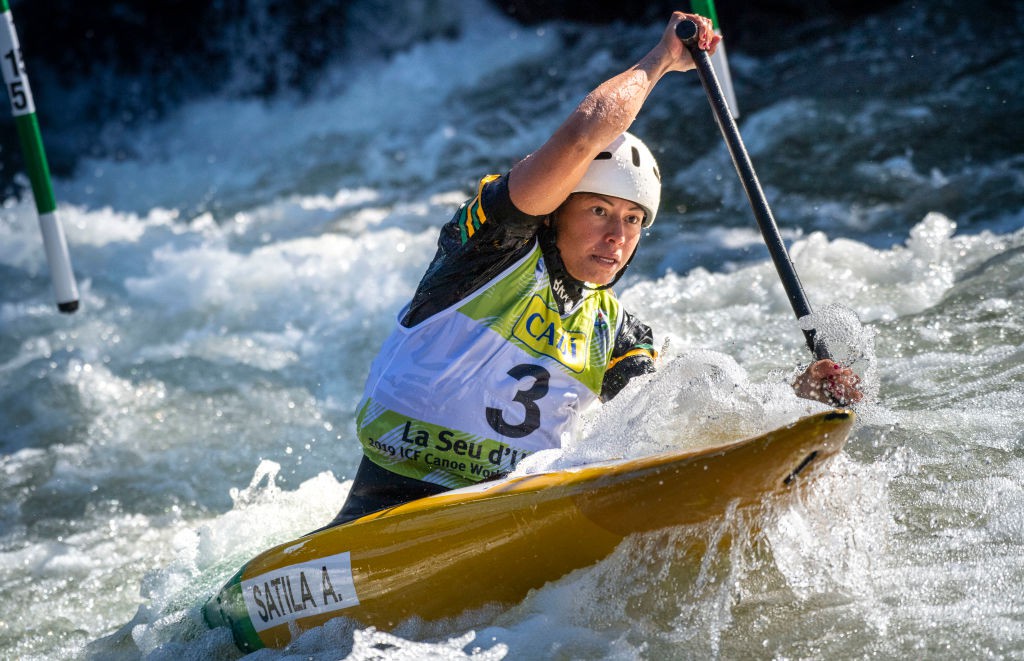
687, 32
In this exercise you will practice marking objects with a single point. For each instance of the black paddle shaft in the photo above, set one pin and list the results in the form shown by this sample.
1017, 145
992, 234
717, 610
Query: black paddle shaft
687, 32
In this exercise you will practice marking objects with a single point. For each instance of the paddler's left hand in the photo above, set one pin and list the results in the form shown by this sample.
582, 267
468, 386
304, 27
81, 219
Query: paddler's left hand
829, 382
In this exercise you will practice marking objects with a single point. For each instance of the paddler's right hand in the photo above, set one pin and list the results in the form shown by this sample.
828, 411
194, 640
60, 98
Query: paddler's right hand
673, 54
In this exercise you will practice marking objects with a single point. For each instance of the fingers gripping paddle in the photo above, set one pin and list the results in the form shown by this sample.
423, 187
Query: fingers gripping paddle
687, 32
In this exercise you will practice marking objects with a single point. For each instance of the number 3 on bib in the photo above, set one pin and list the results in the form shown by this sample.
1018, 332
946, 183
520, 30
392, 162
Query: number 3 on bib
527, 397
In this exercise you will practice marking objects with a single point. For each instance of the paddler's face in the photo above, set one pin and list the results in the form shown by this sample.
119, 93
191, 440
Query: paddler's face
596, 235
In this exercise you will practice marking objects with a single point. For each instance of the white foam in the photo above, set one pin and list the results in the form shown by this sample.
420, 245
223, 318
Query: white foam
240, 267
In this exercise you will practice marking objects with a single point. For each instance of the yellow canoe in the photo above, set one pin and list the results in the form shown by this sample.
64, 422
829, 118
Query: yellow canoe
493, 542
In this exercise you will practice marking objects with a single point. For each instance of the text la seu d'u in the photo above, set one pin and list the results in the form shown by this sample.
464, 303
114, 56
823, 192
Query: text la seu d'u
415, 445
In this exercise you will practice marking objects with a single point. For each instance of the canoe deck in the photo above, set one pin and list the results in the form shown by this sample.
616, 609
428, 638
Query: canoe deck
491, 543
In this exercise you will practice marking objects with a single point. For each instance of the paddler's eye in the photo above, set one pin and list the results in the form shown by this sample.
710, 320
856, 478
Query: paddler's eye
599, 211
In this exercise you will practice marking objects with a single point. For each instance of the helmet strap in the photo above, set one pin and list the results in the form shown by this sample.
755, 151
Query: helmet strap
567, 289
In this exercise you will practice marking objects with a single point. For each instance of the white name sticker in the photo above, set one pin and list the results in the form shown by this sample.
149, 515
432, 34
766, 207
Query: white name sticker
297, 591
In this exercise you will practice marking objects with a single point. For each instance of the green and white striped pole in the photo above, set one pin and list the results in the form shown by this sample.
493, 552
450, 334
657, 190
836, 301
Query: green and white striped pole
24, 110
706, 8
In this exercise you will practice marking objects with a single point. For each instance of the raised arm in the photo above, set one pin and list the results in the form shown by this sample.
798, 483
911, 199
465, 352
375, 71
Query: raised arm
543, 180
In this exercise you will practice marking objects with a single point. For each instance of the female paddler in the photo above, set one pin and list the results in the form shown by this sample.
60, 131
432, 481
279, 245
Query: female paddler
514, 329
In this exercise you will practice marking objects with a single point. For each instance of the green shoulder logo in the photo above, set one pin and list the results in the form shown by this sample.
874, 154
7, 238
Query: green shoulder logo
540, 329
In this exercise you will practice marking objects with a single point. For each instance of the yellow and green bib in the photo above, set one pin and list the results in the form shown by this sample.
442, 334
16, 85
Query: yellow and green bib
469, 392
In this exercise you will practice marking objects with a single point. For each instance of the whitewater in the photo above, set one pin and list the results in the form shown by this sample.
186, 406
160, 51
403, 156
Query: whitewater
241, 260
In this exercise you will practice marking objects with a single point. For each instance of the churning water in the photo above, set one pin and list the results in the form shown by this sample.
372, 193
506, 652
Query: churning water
242, 262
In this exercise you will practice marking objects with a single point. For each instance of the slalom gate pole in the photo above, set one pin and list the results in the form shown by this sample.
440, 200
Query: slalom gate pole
719, 61
687, 33
24, 110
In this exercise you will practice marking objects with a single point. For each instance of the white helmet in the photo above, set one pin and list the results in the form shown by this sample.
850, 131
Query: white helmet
626, 169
